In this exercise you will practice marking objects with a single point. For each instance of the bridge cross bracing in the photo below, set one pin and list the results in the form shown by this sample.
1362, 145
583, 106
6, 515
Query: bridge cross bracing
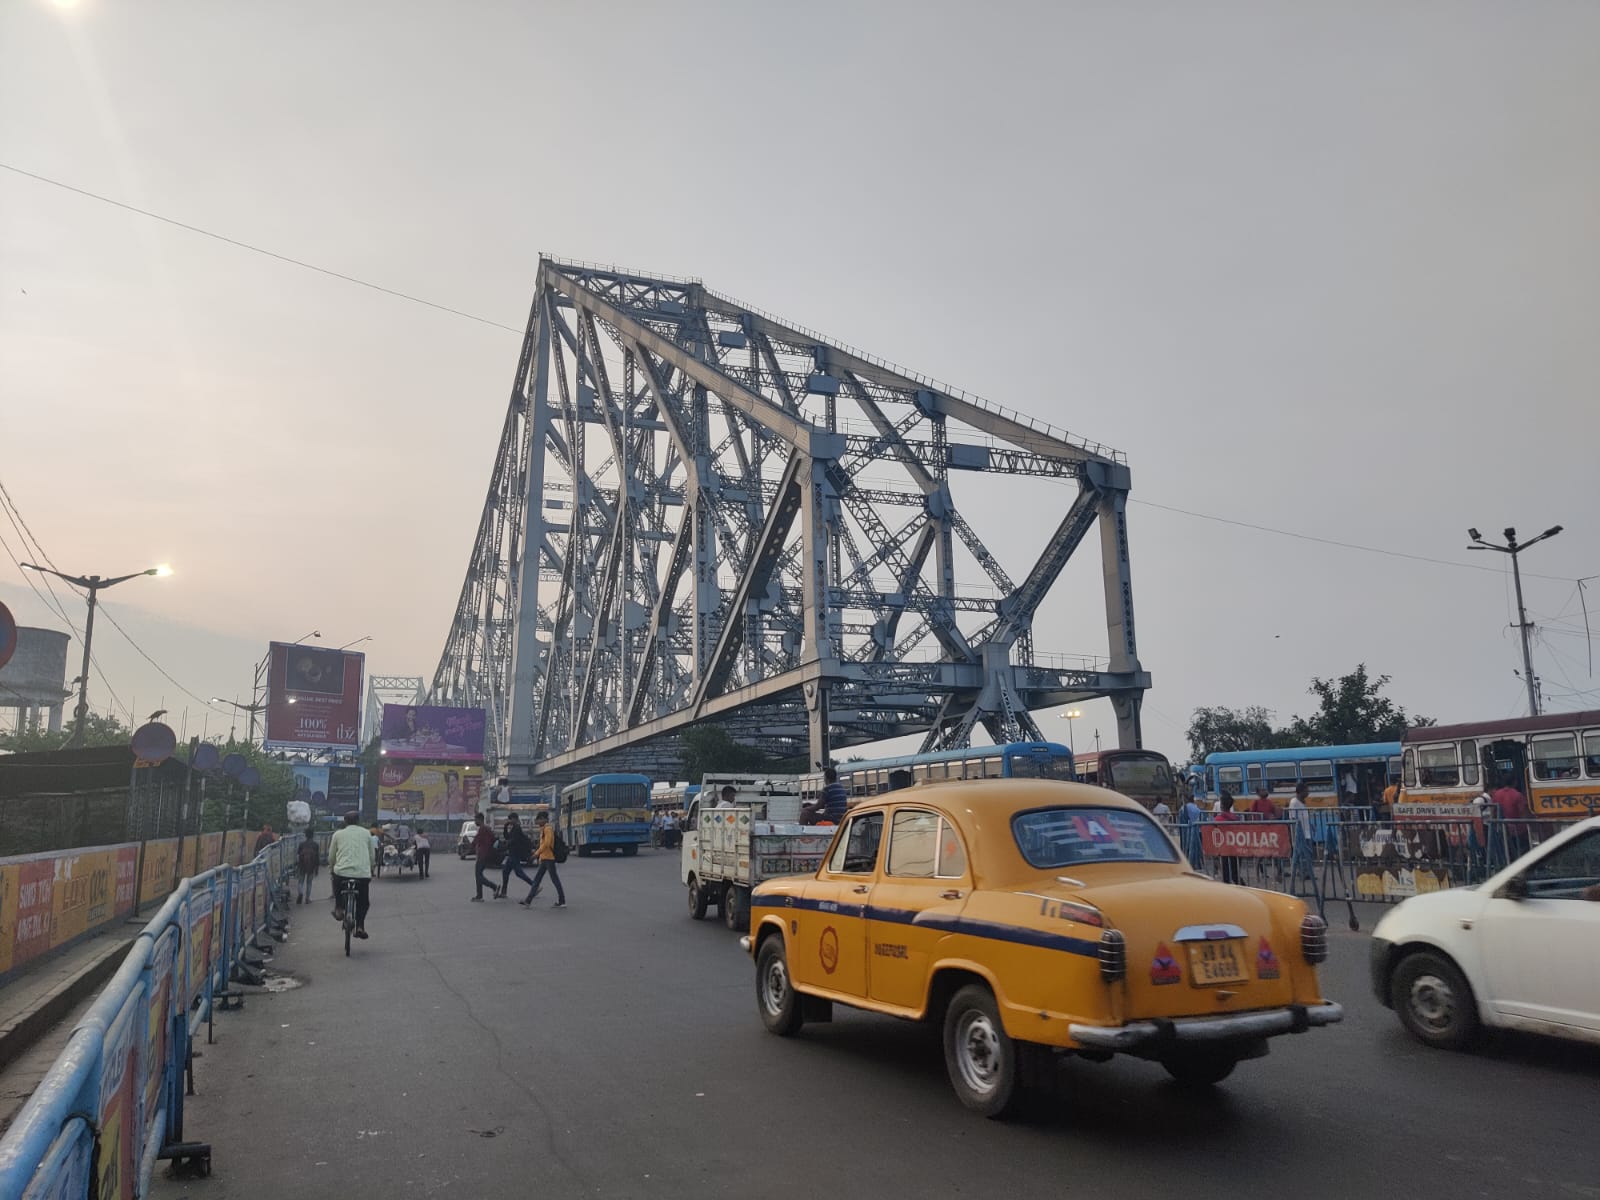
698, 511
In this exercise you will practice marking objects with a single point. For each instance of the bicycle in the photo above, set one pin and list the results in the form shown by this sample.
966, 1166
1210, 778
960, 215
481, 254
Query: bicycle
349, 922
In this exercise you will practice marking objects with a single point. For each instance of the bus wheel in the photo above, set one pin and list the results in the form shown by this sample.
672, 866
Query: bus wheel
698, 900
630, 850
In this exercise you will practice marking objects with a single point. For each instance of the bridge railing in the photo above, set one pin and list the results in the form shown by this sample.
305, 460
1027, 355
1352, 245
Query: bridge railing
112, 1104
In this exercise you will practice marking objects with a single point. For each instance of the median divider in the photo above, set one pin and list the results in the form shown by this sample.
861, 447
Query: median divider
111, 1107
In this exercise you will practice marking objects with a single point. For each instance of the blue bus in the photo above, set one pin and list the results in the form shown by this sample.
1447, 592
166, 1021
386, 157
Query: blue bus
606, 812
1015, 760
1354, 776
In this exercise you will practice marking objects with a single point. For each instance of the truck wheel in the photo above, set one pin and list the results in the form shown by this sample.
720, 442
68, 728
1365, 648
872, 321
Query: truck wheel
1434, 1001
630, 850
1200, 1068
978, 1054
736, 909
775, 995
698, 900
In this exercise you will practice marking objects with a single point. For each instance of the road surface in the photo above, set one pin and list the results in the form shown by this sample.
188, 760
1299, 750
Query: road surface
613, 1049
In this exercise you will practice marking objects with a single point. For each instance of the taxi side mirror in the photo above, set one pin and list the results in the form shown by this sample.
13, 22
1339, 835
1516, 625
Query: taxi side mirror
1516, 888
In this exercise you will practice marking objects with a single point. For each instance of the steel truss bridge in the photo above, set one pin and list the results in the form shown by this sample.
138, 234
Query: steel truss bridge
700, 512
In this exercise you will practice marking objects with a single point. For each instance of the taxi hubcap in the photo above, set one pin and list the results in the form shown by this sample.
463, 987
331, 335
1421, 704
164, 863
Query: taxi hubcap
777, 989
1432, 1002
978, 1051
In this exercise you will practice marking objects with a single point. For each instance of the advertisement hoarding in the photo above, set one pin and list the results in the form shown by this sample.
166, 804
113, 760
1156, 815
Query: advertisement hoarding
428, 733
313, 698
329, 790
410, 790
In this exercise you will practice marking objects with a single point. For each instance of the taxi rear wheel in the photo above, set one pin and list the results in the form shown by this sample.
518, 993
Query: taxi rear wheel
980, 1058
1434, 1001
1200, 1068
775, 994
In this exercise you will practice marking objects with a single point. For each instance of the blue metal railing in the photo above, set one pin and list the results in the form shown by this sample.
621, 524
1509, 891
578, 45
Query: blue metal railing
113, 1101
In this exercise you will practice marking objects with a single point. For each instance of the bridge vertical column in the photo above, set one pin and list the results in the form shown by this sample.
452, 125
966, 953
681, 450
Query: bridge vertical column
820, 618
1118, 572
527, 663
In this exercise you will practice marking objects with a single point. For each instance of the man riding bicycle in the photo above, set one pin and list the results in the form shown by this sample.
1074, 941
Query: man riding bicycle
350, 860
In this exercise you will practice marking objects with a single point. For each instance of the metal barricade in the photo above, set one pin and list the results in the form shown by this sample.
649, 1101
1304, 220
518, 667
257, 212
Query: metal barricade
112, 1104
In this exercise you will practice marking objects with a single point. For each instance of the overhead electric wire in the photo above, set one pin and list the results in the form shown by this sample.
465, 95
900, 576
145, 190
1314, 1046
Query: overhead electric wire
273, 254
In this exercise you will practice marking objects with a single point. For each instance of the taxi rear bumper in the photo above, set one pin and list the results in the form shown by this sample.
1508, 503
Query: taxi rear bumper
1234, 1027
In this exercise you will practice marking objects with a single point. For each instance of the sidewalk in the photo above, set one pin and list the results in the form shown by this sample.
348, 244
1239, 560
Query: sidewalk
39, 1009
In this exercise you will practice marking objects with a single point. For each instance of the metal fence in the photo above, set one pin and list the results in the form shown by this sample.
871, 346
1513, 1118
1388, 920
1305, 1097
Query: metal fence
112, 1104
1346, 855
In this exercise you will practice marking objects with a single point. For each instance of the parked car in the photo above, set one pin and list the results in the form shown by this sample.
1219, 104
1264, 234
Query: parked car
1519, 951
1031, 918
464, 843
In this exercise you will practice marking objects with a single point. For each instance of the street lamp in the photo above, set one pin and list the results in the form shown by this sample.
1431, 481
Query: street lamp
93, 584
357, 642
1071, 715
1513, 549
252, 709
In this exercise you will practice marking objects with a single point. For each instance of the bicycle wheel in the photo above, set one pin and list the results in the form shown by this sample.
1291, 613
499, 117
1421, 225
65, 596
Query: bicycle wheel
349, 918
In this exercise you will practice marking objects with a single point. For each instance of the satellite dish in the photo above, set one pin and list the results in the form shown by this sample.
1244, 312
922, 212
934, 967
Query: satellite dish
233, 765
206, 757
8, 635
154, 743
250, 777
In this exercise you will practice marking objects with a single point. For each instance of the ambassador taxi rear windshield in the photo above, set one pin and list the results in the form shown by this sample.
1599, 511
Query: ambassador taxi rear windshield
1067, 837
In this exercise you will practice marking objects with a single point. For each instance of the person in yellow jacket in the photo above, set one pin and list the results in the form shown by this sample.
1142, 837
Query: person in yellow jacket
546, 856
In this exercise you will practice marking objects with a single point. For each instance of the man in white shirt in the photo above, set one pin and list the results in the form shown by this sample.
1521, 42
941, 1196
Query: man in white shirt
350, 861
1300, 829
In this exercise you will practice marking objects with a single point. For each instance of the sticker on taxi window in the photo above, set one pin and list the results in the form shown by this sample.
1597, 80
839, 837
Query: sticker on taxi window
1266, 961
1164, 968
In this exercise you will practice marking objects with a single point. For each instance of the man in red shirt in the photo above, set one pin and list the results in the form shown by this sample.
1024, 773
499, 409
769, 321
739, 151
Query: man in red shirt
483, 851
1264, 807
1513, 812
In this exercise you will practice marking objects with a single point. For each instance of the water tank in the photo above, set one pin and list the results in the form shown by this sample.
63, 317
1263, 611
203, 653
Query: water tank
37, 672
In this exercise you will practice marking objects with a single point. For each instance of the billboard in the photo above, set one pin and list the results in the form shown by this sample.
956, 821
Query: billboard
433, 734
439, 790
329, 790
313, 698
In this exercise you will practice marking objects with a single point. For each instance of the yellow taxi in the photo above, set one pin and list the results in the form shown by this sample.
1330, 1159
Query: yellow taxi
1034, 918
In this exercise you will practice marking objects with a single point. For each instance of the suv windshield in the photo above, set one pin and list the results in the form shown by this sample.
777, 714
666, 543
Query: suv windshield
1065, 837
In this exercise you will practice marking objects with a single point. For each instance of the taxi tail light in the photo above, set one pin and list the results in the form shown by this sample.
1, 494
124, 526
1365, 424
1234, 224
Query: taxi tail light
1113, 955
1314, 938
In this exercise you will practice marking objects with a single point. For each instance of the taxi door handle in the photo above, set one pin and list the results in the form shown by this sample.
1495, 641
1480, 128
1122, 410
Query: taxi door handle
861, 889
952, 894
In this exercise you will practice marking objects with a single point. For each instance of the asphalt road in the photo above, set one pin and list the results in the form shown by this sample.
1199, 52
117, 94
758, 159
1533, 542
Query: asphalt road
613, 1049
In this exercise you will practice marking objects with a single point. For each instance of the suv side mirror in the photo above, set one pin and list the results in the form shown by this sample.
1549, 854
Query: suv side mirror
1516, 888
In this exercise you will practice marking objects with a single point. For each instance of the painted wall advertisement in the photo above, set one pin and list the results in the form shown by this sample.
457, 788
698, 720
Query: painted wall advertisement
409, 790
159, 871
433, 734
48, 900
313, 698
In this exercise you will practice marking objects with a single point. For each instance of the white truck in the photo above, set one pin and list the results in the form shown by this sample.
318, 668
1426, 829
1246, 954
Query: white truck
729, 848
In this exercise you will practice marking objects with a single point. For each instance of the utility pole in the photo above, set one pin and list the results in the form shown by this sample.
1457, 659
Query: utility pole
93, 584
1513, 549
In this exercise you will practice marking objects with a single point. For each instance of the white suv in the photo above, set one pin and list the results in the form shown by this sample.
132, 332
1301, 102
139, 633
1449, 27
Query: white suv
464, 846
1519, 951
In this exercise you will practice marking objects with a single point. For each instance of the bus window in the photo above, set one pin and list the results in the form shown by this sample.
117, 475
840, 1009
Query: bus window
1394, 770
1254, 772
1231, 778
1409, 760
1555, 756
1469, 762
1317, 775
1282, 777
1436, 765
1591, 753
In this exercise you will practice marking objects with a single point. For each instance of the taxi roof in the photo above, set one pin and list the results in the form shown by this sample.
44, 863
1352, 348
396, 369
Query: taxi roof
982, 810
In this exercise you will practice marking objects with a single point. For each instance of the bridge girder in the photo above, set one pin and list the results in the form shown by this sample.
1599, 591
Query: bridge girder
681, 526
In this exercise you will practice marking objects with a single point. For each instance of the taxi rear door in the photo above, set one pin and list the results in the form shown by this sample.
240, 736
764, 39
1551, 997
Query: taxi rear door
921, 890
830, 941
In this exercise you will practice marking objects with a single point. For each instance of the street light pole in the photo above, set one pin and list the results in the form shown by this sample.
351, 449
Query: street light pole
93, 584
1069, 717
1513, 549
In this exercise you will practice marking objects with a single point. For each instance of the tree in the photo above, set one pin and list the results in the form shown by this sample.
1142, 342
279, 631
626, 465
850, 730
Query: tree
97, 731
1351, 711
710, 749
1219, 728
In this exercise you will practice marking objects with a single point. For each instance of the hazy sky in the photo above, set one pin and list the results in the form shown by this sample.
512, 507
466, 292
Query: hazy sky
1333, 269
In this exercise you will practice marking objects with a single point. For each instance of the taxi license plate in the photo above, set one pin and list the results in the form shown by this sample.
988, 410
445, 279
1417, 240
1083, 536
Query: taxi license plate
1215, 962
